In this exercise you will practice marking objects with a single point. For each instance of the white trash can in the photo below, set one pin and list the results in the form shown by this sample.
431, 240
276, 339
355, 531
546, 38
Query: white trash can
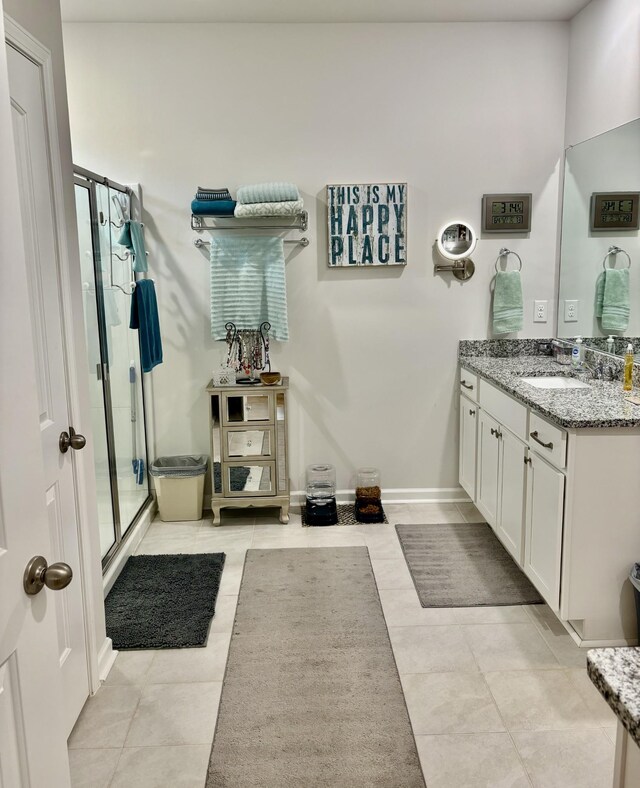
179, 483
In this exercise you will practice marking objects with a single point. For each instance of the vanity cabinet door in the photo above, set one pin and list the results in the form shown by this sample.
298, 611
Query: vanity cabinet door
543, 539
488, 464
512, 494
468, 446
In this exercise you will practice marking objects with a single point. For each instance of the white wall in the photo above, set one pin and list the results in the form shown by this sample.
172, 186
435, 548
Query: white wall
453, 109
604, 68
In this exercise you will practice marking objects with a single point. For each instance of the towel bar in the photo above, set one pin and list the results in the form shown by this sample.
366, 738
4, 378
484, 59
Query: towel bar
199, 243
198, 223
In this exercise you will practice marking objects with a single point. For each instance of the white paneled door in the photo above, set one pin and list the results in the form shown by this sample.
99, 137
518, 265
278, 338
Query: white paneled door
35, 183
32, 729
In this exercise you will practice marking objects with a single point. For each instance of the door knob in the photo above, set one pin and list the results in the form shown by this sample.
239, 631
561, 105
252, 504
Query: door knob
39, 574
71, 439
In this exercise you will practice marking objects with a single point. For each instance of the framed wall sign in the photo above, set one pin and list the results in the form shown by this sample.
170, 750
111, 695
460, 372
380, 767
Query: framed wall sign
506, 213
367, 224
614, 210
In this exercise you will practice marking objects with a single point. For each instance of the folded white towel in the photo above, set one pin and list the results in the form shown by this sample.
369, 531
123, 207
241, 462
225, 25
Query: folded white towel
287, 208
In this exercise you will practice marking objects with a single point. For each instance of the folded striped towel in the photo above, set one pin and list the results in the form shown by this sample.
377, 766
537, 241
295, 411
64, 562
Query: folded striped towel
205, 193
268, 192
286, 208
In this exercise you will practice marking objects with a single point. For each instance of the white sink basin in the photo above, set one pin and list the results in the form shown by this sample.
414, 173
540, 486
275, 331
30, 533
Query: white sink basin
556, 383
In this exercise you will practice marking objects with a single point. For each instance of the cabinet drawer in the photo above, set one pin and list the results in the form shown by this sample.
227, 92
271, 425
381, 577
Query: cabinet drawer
248, 478
468, 384
504, 408
548, 441
247, 408
244, 443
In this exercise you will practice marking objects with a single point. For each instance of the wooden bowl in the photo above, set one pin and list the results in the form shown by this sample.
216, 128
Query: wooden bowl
270, 378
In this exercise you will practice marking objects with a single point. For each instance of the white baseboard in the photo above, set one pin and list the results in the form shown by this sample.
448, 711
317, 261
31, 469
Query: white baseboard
130, 546
106, 658
399, 495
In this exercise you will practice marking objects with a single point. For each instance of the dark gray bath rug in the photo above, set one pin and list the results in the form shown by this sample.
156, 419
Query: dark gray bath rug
164, 601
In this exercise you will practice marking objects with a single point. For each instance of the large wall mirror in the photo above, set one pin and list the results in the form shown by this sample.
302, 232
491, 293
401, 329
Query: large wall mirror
602, 176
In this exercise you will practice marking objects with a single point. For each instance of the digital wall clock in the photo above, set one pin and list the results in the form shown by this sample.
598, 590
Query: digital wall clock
506, 213
614, 210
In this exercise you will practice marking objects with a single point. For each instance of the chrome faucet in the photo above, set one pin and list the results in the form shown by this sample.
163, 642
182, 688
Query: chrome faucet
599, 371
561, 352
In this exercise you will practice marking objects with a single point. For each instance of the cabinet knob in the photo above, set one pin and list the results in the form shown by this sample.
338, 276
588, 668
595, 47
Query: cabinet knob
527, 460
472, 412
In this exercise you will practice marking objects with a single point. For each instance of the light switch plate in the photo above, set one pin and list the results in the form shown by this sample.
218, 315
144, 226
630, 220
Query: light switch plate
540, 311
570, 311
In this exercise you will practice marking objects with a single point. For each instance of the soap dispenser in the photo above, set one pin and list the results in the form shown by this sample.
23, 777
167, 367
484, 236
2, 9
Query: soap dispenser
576, 353
611, 344
628, 368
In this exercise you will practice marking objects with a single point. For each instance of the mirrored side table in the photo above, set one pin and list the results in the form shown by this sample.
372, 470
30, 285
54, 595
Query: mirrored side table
249, 465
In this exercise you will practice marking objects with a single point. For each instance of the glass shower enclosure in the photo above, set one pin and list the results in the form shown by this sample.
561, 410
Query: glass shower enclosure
115, 377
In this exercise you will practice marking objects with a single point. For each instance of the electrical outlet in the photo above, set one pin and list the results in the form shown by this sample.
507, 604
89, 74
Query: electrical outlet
540, 311
570, 311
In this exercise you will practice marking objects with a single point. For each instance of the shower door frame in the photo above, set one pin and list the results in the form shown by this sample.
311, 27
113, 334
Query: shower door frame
88, 180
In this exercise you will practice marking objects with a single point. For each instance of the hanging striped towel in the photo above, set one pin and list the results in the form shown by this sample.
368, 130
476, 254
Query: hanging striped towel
248, 285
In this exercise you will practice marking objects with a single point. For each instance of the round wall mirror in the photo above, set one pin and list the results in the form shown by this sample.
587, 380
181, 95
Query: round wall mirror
456, 240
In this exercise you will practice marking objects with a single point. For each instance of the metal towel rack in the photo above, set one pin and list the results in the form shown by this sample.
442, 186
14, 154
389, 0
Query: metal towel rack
199, 223
199, 243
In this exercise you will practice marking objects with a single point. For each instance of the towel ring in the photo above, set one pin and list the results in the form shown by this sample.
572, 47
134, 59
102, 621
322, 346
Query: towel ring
615, 250
504, 251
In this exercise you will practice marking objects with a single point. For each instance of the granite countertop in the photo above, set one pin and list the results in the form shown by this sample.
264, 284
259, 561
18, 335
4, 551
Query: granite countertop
616, 674
602, 405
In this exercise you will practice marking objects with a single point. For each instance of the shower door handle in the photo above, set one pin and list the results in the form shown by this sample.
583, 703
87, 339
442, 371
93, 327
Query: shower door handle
71, 440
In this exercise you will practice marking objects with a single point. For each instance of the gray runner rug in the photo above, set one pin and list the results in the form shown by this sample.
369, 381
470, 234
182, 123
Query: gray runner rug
463, 565
311, 695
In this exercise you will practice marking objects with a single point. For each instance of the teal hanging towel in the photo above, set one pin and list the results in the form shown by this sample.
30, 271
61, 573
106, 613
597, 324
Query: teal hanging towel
132, 236
144, 317
508, 313
248, 285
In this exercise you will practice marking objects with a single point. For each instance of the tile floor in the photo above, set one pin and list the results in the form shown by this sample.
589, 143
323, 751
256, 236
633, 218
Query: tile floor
498, 697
